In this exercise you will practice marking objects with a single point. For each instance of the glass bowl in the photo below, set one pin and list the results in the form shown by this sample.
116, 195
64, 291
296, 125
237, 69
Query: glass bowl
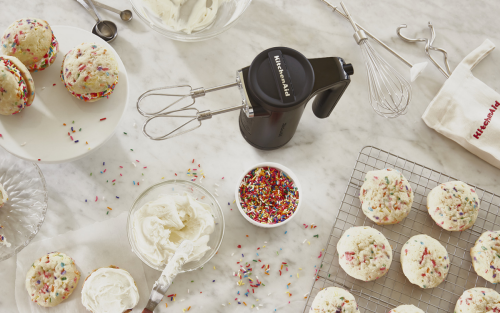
23, 214
228, 13
172, 187
285, 170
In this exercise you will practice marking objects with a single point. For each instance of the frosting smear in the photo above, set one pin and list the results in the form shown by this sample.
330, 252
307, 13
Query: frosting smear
109, 290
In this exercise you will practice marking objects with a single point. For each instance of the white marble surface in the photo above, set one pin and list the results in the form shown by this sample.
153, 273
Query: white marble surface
322, 152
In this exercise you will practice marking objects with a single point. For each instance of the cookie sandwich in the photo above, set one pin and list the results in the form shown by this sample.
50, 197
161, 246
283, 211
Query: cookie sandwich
32, 41
17, 89
90, 72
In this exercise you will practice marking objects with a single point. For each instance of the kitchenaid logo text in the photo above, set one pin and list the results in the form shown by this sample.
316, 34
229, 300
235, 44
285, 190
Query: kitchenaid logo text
280, 70
487, 120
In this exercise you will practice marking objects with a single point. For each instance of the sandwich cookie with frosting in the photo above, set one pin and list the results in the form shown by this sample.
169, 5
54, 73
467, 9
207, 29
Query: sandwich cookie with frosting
32, 41
90, 72
17, 89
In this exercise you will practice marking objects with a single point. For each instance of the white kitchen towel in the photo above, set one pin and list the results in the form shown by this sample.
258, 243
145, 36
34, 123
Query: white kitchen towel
465, 109
98, 245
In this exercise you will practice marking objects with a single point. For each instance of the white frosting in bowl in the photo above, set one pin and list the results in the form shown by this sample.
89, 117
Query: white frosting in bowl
196, 15
161, 225
109, 290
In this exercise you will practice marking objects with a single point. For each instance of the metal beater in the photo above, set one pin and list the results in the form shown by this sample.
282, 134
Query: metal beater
390, 93
196, 116
429, 46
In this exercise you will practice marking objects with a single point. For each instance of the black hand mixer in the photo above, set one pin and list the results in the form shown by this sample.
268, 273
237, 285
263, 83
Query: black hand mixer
274, 89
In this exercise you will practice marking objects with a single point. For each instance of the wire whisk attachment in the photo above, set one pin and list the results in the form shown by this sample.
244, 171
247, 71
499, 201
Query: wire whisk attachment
390, 93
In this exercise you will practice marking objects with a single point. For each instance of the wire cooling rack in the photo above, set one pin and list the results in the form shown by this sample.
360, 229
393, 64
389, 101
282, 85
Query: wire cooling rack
394, 289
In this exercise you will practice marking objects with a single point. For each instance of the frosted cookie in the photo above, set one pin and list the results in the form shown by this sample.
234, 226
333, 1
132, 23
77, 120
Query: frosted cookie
3, 196
31, 41
28, 79
90, 72
486, 256
51, 279
332, 300
453, 205
386, 196
17, 89
407, 308
109, 289
364, 253
478, 300
425, 261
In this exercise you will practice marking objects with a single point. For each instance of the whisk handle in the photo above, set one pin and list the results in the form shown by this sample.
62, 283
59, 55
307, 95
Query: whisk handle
330, 84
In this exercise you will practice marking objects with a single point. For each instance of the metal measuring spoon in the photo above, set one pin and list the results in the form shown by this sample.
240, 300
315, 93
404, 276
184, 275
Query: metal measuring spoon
106, 30
125, 15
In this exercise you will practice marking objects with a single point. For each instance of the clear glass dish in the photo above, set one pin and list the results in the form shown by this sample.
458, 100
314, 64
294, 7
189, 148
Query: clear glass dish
228, 13
171, 187
23, 214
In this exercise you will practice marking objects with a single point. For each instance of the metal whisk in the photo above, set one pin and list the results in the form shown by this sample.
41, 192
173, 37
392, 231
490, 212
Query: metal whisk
390, 93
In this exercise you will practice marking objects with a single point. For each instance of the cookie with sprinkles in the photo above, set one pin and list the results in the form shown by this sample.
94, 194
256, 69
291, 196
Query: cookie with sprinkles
51, 279
3, 196
364, 253
486, 256
478, 300
425, 261
25, 73
32, 41
386, 196
90, 72
406, 308
333, 300
17, 89
454, 205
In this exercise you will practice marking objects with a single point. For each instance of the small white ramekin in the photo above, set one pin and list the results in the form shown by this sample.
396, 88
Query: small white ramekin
286, 171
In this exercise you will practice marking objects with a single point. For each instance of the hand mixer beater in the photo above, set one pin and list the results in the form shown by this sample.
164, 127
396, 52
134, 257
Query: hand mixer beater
274, 89
196, 117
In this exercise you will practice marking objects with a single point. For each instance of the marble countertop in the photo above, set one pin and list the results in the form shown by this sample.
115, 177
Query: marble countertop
322, 152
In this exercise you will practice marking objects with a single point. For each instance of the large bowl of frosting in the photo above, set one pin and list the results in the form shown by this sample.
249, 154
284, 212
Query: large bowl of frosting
190, 20
170, 212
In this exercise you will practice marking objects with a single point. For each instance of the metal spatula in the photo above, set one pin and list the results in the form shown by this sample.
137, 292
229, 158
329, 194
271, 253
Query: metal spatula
163, 283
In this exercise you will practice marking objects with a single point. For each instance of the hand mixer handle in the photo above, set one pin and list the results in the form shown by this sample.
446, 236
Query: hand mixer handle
332, 78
